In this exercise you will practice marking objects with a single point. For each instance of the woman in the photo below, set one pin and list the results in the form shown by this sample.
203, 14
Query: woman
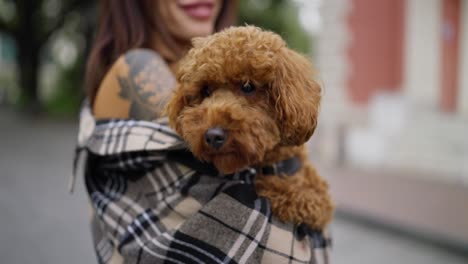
152, 202
165, 27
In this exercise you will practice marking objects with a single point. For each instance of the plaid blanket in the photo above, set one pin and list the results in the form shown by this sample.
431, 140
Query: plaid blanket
154, 203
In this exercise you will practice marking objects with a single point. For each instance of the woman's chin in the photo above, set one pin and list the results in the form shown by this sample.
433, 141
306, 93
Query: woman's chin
200, 29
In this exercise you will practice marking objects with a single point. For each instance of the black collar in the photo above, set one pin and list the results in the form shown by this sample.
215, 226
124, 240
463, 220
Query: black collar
285, 167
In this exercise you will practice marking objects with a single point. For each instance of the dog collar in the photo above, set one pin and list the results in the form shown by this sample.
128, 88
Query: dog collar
287, 167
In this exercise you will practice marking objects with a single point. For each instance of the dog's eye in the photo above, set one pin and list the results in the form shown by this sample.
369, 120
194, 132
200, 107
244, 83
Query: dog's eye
205, 91
248, 88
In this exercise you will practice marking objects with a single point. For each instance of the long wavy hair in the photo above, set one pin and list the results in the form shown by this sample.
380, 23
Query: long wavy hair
128, 24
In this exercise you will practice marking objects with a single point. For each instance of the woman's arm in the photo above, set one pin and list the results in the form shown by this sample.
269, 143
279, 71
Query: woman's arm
137, 87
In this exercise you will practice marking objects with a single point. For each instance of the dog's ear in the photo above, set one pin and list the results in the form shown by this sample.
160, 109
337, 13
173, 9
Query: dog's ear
297, 97
174, 107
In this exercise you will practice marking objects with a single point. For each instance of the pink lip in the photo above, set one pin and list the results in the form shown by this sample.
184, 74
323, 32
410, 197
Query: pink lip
200, 10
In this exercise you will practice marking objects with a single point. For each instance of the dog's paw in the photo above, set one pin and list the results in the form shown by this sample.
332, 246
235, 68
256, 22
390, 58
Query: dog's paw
298, 205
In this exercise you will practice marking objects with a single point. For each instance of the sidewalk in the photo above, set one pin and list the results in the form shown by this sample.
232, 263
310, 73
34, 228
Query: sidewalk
41, 223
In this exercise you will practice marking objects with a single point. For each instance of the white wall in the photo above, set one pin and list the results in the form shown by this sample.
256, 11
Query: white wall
333, 68
422, 78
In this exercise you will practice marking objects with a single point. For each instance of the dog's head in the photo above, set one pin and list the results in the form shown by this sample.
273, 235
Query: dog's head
240, 94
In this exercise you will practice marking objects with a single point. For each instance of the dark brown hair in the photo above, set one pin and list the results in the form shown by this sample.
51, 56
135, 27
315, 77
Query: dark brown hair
128, 24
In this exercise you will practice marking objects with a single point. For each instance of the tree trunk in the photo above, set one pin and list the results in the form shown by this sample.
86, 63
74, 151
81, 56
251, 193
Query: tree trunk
28, 53
28, 66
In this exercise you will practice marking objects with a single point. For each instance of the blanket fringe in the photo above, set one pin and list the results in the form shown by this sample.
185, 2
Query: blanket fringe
72, 177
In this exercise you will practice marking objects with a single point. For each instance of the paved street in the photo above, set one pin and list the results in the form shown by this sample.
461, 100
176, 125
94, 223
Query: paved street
41, 223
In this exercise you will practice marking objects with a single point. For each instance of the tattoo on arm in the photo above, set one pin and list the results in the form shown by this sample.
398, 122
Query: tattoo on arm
147, 86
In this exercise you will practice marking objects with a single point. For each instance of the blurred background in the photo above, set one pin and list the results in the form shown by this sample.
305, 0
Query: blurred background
392, 137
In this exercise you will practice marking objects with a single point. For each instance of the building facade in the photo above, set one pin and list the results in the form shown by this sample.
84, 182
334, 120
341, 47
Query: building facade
394, 115
395, 77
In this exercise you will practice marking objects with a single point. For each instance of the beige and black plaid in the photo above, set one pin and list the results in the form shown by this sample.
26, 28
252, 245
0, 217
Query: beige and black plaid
150, 207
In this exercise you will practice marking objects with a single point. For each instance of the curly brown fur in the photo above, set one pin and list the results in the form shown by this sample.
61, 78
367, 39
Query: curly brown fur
266, 126
302, 198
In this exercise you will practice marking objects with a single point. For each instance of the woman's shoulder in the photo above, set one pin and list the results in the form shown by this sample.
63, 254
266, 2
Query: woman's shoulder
138, 58
137, 86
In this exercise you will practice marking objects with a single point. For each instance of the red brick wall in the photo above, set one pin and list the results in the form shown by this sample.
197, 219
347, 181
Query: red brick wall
376, 48
450, 35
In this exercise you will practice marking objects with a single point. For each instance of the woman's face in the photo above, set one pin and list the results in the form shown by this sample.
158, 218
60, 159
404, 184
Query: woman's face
186, 19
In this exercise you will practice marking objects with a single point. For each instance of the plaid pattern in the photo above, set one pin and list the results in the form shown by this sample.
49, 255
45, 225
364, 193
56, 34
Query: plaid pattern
149, 208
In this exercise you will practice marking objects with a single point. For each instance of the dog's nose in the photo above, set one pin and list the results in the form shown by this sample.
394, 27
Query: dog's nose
215, 137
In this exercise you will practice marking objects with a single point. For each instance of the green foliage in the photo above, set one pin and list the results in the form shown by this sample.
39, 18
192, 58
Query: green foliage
280, 16
73, 39
66, 99
34, 26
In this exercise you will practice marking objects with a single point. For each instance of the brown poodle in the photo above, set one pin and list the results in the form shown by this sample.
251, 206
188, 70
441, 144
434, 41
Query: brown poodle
246, 100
